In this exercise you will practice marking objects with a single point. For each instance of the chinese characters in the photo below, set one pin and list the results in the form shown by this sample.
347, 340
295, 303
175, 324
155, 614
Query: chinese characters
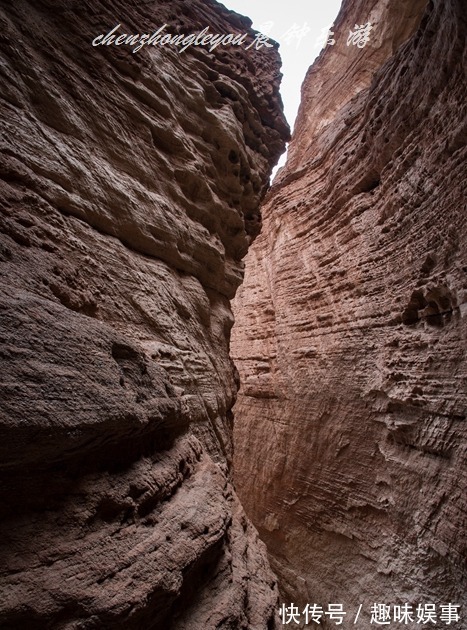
360, 36
295, 34
381, 615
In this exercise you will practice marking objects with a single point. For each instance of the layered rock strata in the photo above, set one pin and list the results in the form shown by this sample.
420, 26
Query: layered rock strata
351, 326
130, 192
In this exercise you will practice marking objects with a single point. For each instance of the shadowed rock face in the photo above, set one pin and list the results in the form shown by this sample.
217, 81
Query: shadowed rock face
130, 193
351, 325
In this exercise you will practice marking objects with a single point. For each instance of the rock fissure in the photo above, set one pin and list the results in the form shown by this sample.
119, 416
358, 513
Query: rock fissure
131, 193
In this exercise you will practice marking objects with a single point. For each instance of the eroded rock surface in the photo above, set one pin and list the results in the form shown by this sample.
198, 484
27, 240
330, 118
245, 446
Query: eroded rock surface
351, 327
130, 193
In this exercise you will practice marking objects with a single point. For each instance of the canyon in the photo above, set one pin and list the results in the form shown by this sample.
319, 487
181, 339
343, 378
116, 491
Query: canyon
138, 489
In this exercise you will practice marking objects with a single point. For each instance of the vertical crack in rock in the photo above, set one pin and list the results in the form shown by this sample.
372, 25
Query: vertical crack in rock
350, 335
130, 191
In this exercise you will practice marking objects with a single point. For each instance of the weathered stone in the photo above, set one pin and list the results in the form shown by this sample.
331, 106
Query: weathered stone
130, 193
350, 333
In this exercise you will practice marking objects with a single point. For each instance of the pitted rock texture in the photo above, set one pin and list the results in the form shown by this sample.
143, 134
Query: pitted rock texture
351, 326
130, 193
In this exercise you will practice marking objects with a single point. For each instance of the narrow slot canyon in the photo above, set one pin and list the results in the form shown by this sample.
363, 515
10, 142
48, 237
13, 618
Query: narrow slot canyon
226, 403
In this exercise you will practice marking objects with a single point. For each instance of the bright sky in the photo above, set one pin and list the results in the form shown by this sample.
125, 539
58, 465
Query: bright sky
296, 25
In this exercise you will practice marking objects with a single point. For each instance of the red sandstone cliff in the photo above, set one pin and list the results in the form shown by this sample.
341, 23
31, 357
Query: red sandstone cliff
130, 193
351, 331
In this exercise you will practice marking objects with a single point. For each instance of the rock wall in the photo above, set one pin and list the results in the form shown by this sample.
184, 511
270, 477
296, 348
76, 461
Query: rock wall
351, 326
130, 192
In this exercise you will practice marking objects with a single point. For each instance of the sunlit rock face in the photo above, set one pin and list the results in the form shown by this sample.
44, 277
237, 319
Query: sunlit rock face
130, 193
351, 326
